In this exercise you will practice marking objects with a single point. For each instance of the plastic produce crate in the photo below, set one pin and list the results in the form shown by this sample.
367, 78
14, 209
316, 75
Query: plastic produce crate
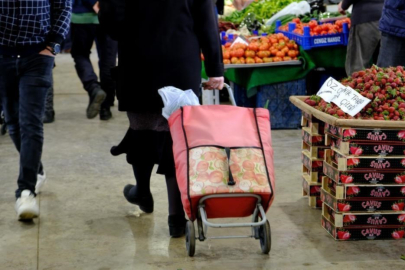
308, 42
283, 114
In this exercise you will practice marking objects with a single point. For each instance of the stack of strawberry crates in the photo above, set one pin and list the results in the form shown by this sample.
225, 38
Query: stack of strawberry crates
363, 189
312, 156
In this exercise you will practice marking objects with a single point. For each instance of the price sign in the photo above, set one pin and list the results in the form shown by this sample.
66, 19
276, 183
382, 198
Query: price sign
347, 99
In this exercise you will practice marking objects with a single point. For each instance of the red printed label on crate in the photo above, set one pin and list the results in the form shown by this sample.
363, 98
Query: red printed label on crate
371, 205
371, 135
377, 220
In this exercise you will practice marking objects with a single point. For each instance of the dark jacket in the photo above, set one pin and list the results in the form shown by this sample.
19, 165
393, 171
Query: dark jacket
162, 40
393, 18
83, 6
364, 10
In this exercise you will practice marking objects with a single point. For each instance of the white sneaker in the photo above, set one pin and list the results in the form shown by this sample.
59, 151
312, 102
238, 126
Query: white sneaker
26, 206
41, 179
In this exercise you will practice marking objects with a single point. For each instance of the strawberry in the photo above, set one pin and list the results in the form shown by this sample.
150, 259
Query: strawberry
355, 161
395, 235
349, 218
346, 179
401, 218
401, 134
357, 151
403, 190
395, 207
401, 233
403, 162
356, 190
343, 235
401, 205
398, 180
344, 207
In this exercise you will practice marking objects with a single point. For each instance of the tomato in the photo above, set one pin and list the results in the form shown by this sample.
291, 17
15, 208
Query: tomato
239, 53
234, 60
253, 47
249, 53
264, 47
285, 50
296, 20
287, 58
277, 59
273, 40
264, 40
250, 60
312, 24
263, 54
267, 60
280, 54
227, 61
242, 60
226, 55
258, 60
291, 53
274, 52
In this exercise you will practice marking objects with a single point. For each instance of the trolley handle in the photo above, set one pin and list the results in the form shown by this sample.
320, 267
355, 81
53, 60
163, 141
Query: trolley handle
228, 88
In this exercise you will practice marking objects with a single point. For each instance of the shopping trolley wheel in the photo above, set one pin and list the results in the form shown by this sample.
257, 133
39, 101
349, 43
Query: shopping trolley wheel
190, 238
265, 237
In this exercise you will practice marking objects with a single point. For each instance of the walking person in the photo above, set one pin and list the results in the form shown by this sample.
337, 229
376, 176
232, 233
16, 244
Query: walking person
364, 36
30, 36
392, 26
180, 31
85, 30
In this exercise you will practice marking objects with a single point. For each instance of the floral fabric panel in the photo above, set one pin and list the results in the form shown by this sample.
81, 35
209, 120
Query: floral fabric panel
209, 171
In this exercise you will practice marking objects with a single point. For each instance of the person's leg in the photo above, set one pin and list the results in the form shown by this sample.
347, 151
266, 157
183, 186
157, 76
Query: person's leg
392, 51
107, 52
176, 220
49, 115
363, 41
83, 36
35, 74
140, 194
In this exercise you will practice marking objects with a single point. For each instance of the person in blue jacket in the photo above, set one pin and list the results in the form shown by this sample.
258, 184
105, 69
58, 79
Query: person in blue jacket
85, 30
392, 26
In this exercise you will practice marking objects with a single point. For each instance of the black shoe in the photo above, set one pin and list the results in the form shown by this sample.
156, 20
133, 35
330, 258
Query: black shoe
145, 202
97, 96
3, 129
49, 117
105, 113
177, 225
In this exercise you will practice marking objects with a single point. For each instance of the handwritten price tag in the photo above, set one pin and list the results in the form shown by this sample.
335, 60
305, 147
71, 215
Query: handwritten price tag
347, 99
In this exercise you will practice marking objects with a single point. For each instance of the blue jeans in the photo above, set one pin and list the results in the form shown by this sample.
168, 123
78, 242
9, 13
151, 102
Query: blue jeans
24, 83
392, 51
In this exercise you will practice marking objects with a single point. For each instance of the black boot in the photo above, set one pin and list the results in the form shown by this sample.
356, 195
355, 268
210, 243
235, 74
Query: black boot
96, 98
49, 117
145, 202
177, 225
105, 113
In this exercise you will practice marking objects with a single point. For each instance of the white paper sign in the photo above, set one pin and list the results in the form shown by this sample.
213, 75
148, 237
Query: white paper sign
347, 99
240, 40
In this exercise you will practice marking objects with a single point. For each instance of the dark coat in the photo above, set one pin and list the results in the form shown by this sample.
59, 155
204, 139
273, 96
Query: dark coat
162, 40
393, 18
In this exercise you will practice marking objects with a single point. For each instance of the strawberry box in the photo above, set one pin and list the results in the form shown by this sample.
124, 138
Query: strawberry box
363, 176
315, 177
363, 233
363, 148
313, 139
347, 162
317, 152
315, 202
350, 219
366, 134
317, 127
351, 191
310, 188
310, 118
312, 164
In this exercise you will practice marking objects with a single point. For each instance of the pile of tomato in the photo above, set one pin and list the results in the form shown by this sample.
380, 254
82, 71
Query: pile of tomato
268, 49
317, 29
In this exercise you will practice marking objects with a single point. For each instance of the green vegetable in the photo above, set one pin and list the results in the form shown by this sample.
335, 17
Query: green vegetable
263, 10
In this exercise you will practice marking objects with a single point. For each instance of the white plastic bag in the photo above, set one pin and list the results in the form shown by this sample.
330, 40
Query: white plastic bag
293, 8
173, 98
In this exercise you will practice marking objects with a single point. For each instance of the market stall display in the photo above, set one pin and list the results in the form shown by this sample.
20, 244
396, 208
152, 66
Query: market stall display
363, 190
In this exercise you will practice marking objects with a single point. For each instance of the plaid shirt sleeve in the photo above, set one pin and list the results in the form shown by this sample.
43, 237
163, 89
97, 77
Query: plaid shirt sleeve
60, 13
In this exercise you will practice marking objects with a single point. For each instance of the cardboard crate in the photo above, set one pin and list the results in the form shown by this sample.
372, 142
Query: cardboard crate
368, 192
314, 177
350, 219
363, 233
310, 118
347, 162
360, 204
363, 176
317, 152
374, 135
312, 164
309, 188
316, 127
315, 202
312, 139
361, 148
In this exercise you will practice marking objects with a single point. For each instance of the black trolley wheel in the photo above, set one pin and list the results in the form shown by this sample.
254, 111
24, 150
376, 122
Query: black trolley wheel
264, 233
190, 238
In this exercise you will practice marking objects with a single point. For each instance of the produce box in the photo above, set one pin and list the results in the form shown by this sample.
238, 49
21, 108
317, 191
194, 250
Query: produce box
375, 135
312, 139
360, 204
315, 202
314, 177
299, 102
316, 127
317, 152
349, 219
312, 164
363, 233
364, 148
363, 176
308, 42
351, 191
310, 188
347, 162
307, 117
